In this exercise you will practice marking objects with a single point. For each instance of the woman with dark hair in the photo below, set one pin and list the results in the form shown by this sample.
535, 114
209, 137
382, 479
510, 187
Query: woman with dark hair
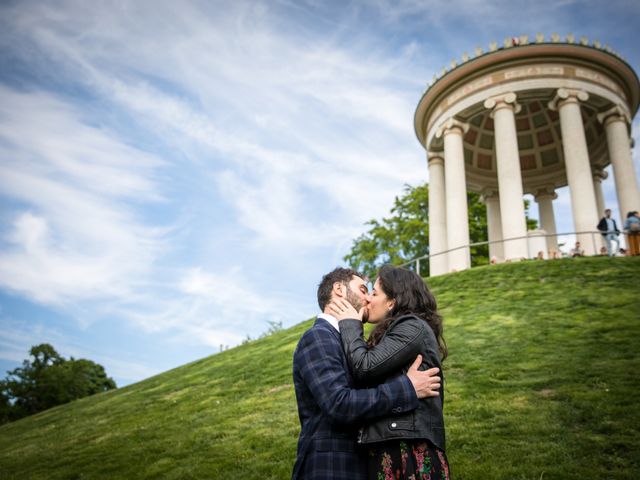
405, 445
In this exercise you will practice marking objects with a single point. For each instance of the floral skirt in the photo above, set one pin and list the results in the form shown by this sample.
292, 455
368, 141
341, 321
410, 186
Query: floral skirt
407, 460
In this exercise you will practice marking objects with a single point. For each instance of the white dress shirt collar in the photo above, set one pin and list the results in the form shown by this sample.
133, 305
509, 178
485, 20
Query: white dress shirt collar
331, 319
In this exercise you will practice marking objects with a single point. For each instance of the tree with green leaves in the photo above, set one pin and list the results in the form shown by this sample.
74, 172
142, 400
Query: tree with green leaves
48, 380
5, 406
404, 235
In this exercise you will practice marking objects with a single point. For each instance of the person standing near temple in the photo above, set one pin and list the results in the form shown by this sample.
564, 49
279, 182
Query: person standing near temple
632, 229
609, 231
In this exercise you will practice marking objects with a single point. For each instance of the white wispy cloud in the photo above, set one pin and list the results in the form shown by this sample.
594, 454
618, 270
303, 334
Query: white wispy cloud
71, 235
214, 308
295, 153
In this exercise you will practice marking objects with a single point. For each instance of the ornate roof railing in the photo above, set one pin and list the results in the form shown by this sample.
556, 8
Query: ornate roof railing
512, 42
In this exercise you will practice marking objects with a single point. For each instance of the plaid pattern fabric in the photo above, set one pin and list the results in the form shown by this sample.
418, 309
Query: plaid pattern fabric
331, 410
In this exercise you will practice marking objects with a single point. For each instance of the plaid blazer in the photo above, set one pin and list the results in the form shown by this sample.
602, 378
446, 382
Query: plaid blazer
331, 410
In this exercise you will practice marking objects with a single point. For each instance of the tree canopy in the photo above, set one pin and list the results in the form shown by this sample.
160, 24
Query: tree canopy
404, 235
47, 380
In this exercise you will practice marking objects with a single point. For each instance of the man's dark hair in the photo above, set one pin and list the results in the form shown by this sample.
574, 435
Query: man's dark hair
343, 275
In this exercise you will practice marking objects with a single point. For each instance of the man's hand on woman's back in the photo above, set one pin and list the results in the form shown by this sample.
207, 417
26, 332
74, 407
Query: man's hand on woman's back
426, 383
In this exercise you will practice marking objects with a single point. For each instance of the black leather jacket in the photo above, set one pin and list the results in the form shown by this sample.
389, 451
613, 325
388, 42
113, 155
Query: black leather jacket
406, 337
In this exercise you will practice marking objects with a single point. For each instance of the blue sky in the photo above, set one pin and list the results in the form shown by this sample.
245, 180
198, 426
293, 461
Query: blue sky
175, 175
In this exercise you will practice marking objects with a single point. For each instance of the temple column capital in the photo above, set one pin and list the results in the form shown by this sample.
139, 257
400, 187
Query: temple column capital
567, 95
548, 192
506, 100
489, 193
598, 174
614, 114
451, 126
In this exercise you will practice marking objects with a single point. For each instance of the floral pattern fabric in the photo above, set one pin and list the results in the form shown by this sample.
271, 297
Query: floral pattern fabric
407, 460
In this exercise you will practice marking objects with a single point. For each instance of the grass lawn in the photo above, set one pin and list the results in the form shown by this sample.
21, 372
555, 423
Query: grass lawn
542, 383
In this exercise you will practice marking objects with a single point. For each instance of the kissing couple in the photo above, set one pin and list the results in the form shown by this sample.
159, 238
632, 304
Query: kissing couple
371, 408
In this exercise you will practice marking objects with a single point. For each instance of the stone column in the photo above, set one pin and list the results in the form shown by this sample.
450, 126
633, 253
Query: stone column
544, 198
438, 264
456, 194
615, 124
576, 159
494, 223
598, 177
514, 223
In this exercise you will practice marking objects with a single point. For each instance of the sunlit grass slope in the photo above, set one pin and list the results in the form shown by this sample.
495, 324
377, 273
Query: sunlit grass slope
542, 382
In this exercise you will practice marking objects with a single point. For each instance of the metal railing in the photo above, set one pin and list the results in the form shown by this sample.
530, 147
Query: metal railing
596, 240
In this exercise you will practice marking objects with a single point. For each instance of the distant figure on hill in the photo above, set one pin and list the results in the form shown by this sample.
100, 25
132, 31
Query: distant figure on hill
632, 229
330, 408
410, 444
577, 251
540, 255
609, 231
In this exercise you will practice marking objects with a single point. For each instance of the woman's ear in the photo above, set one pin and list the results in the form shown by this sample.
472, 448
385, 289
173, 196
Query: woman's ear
391, 304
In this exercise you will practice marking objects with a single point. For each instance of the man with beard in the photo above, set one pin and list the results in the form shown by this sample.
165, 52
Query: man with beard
329, 407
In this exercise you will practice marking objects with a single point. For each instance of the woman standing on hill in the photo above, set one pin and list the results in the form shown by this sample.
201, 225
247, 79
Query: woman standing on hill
408, 445
632, 229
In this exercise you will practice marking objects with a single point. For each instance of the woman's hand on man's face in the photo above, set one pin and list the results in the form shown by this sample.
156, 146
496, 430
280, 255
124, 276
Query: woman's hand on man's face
341, 309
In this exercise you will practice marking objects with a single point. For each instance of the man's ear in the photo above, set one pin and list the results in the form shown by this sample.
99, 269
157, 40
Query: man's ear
338, 289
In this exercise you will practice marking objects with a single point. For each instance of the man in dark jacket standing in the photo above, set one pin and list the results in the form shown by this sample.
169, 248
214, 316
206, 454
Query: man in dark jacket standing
609, 231
329, 407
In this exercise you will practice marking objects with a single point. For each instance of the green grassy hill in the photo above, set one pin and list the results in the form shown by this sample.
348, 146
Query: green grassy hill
542, 383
